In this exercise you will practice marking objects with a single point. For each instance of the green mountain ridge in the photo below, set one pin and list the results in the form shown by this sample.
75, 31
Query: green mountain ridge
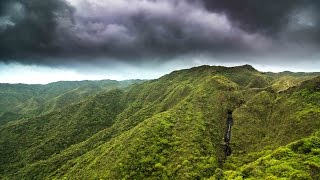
22, 100
173, 128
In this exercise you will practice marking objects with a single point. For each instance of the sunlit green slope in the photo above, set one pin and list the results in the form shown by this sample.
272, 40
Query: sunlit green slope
297, 160
172, 127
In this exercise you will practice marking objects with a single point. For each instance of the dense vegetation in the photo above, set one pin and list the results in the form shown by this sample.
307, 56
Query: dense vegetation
171, 127
297, 160
22, 100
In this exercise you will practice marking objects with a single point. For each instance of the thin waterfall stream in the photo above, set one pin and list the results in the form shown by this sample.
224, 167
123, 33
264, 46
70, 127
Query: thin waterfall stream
227, 136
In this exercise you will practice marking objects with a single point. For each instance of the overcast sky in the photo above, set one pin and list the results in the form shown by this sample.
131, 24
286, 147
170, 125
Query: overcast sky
43, 41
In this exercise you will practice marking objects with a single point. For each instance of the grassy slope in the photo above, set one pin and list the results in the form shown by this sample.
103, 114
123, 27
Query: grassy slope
171, 127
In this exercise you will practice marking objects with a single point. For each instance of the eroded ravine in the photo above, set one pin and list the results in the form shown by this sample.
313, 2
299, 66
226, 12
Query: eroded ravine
227, 136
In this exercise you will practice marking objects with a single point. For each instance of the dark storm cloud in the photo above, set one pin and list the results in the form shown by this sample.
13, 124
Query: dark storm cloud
28, 27
147, 29
296, 21
56, 31
256, 14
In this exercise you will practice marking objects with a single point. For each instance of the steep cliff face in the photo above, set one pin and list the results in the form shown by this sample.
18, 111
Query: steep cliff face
174, 126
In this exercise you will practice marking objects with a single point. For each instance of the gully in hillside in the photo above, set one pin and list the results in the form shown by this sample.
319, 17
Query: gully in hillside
227, 136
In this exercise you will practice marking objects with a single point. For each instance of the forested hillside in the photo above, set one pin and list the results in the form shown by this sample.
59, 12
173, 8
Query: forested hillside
168, 128
22, 100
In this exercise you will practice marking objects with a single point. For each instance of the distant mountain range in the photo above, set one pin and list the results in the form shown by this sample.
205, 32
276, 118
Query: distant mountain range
169, 128
22, 100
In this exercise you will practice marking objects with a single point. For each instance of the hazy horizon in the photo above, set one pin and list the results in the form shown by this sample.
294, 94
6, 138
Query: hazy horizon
20, 74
